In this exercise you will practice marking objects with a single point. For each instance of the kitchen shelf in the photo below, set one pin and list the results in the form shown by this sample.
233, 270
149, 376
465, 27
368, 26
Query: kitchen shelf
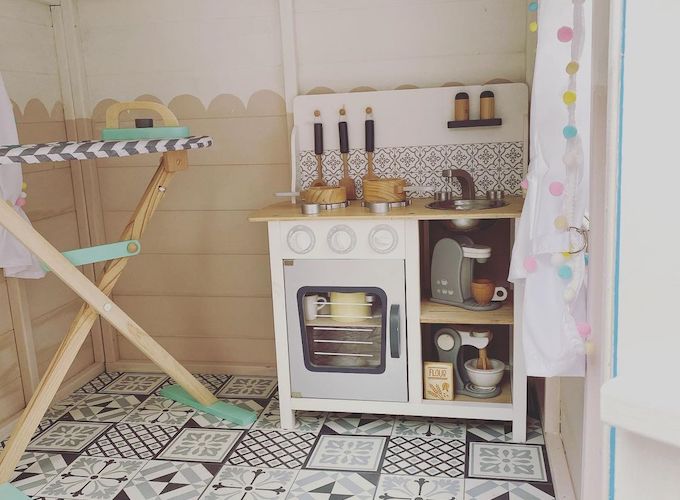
431, 312
505, 397
491, 122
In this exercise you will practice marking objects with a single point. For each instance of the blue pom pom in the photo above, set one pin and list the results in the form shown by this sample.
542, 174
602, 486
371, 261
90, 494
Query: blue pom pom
569, 132
533, 6
586, 257
565, 272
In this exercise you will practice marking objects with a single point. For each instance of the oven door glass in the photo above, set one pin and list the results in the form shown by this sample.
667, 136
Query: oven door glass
343, 328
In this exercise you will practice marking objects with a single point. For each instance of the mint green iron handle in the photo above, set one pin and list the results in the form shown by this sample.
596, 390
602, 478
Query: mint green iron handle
101, 253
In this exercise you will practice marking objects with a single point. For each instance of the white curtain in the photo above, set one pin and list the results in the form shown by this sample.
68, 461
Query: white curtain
16, 260
554, 315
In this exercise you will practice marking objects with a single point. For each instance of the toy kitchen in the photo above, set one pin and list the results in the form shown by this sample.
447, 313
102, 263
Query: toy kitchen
389, 257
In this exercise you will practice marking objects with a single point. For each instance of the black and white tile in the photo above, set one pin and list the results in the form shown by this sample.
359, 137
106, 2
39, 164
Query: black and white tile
249, 387
425, 456
419, 488
348, 453
201, 445
305, 421
92, 478
116, 438
364, 424
333, 485
132, 441
274, 449
250, 483
135, 383
486, 489
164, 480
521, 462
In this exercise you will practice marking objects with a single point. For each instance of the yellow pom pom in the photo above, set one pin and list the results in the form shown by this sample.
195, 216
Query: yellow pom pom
561, 223
569, 97
24, 186
572, 68
566, 255
533, 26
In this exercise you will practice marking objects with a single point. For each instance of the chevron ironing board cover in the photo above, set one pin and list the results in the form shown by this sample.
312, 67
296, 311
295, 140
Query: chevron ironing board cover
88, 150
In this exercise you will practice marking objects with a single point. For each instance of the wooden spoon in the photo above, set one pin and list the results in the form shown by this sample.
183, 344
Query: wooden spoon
483, 361
346, 181
370, 143
318, 149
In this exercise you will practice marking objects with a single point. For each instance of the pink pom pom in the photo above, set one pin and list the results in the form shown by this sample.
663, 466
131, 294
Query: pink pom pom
556, 188
20, 202
565, 34
524, 184
530, 264
583, 330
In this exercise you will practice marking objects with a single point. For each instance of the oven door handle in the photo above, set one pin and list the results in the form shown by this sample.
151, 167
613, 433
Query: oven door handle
395, 331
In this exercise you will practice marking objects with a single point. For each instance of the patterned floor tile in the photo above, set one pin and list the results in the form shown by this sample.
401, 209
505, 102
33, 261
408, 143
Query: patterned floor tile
425, 456
68, 436
501, 432
135, 383
59, 408
92, 478
305, 421
132, 441
349, 453
273, 449
419, 488
352, 423
249, 387
161, 480
201, 445
96, 384
103, 408
205, 420
517, 462
429, 427
333, 485
484, 489
161, 411
244, 483
36, 469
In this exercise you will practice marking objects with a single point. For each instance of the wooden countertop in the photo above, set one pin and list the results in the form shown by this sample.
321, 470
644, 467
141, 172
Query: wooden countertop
417, 210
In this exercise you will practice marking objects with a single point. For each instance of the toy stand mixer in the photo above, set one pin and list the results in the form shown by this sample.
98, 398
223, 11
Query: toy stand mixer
469, 381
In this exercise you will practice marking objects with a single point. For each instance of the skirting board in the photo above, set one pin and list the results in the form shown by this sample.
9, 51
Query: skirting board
65, 390
210, 367
564, 488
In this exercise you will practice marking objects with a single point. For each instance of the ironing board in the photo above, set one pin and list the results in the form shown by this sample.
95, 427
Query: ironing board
97, 297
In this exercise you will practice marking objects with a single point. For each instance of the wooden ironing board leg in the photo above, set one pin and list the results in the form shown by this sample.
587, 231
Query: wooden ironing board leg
61, 362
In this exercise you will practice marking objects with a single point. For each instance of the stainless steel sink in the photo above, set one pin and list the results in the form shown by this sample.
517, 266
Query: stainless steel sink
481, 204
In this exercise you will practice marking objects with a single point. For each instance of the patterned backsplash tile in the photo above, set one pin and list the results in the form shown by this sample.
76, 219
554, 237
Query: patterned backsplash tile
492, 166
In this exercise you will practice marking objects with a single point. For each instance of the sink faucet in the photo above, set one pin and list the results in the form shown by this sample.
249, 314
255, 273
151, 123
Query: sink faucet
467, 183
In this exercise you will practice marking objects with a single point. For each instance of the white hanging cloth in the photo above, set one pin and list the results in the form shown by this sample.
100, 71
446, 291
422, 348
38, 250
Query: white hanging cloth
16, 260
554, 324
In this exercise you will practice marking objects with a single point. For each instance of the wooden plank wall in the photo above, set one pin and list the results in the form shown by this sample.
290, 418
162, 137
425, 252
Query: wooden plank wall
201, 285
29, 68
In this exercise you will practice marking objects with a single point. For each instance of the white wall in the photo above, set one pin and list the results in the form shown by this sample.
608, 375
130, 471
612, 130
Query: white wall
649, 275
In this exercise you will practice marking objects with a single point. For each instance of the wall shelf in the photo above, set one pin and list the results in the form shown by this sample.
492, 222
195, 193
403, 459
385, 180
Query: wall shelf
431, 312
491, 122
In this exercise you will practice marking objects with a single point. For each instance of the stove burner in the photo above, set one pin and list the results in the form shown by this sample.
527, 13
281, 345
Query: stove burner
315, 208
382, 207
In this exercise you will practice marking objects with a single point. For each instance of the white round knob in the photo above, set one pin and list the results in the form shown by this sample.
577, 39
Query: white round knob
301, 239
383, 238
342, 239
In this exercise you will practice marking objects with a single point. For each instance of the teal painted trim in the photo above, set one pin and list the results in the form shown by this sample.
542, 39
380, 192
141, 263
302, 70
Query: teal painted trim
136, 134
617, 266
225, 411
100, 253
9, 492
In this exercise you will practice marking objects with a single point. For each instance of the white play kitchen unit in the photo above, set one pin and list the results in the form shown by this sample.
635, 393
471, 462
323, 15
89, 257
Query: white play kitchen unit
370, 287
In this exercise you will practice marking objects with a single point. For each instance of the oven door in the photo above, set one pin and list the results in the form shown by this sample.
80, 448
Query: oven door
347, 329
